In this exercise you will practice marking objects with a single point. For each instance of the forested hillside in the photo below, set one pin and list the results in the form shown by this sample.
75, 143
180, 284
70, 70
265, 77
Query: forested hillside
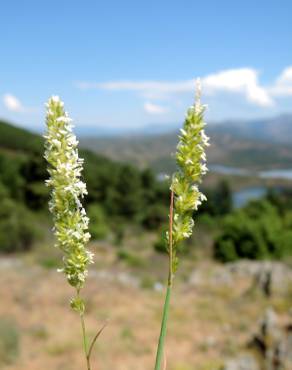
122, 198
118, 190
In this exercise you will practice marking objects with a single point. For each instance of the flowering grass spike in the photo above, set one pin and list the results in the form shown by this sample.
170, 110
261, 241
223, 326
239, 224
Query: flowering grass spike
65, 167
185, 196
70, 220
190, 158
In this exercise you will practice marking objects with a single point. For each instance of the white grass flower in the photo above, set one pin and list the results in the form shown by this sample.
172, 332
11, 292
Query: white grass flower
191, 158
67, 188
185, 197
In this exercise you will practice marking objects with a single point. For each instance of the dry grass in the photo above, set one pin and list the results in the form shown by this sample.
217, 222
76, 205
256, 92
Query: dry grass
209, 322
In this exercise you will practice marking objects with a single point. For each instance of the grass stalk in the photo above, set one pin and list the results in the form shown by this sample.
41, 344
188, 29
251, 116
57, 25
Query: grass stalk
84, 339
163, 330
88, 348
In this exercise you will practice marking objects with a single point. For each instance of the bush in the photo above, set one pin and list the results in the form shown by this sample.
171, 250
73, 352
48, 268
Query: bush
131, 259
155, 216
50, 262
17, 227
160, 244
254, 232
285, 244
9, 341
98, 226
219, 200
225, 250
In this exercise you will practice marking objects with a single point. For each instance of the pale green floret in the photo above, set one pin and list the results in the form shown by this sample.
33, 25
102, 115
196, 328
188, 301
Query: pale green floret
65, 167
190, 157
185, 198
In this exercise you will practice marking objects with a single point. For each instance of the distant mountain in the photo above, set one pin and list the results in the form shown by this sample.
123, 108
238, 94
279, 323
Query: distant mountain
274, 130
257, 144
116, 131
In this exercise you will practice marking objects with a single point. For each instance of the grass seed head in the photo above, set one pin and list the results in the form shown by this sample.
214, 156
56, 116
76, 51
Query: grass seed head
190, 158
67, 190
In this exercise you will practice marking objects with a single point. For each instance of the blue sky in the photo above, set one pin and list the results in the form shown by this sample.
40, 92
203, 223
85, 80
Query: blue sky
133, 63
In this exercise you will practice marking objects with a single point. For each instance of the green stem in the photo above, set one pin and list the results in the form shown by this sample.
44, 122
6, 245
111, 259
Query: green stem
84, 337
160, 348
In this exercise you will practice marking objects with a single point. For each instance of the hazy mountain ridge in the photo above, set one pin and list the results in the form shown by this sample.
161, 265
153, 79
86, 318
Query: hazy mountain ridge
255, 144
275, 130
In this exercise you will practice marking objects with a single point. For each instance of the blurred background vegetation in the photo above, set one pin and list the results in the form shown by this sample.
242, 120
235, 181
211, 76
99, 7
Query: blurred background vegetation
123, 197
239, 254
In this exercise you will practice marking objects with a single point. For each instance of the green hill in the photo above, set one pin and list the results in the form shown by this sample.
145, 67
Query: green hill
18, 139
118, 193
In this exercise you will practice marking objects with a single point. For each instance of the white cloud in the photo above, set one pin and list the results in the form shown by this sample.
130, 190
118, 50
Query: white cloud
286, 76
283, 85
241, 81
12, 103
154, 108
149, 89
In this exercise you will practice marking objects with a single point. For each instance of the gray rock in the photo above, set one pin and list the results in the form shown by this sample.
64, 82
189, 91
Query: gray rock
273, 343
243, 362
10, 263
218, 275
268, 275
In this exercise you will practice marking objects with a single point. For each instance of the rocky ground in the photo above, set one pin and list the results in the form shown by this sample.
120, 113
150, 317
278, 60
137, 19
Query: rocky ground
232, 317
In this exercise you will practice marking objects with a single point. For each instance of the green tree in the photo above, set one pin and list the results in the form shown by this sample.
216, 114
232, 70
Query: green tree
223, 198
253, 232
10, 175
155, 216
98, 226
130, 200
219, 200
18, 228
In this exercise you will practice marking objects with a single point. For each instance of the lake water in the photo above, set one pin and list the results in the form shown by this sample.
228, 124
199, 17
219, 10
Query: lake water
226, 170
276, 174
270, 174
242, 197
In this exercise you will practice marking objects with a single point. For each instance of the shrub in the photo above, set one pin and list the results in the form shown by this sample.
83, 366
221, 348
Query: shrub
9, 341
219, 200
131, 259
130, 194
160, 245
254, 232
225, 250
285, 244
17, 227
155, 216
10, 175
50, 262
119, 229
98, 224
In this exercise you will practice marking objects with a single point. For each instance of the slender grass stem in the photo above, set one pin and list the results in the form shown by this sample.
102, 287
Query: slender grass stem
84, 339
88, 348
160, 348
